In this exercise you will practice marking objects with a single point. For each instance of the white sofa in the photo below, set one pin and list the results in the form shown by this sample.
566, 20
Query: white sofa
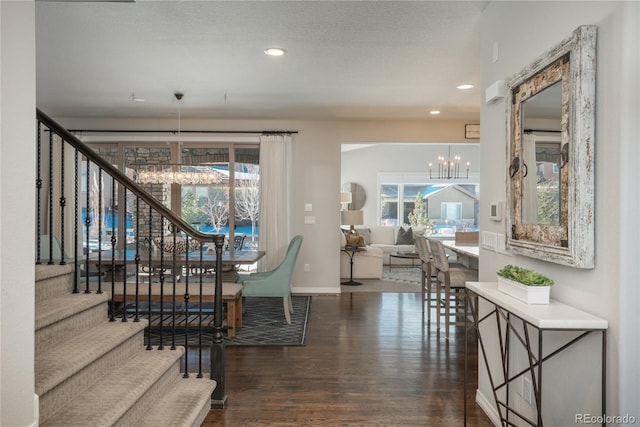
381, 241
385, 238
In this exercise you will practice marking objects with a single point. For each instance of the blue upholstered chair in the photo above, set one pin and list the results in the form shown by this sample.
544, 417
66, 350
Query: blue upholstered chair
277, 282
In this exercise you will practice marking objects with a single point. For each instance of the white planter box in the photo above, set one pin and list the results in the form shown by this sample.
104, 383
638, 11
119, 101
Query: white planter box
528, 294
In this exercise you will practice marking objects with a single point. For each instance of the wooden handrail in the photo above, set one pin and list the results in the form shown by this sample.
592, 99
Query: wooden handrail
123, 179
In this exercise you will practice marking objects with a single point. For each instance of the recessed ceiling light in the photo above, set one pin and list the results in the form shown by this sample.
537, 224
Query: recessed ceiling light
464, 87
274, 51
135, 98
434, 112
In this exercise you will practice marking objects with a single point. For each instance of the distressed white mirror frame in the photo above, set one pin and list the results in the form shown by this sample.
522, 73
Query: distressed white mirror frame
572, 243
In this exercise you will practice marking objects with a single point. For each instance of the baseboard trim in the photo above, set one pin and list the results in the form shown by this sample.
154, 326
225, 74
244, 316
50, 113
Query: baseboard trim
486, 406
36, 410
303, 290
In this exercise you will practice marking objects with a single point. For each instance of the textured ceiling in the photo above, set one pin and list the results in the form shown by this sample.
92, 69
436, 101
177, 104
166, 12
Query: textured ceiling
347, 60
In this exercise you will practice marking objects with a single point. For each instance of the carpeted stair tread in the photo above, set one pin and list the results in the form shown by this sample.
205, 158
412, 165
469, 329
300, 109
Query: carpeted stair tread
45, 271
63, 360
53, 310
110, 398
186, 404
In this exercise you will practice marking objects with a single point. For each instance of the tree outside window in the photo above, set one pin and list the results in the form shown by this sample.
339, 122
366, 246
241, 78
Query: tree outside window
247, 195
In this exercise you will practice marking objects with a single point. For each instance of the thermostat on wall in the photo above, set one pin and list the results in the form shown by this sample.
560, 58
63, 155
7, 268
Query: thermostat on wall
495, 212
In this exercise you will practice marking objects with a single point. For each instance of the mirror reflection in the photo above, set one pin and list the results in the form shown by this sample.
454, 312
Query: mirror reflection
541, 184
358, 195
541, 156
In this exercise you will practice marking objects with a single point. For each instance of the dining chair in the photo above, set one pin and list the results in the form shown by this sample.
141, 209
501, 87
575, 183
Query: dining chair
450, 287
238, 242
277, 282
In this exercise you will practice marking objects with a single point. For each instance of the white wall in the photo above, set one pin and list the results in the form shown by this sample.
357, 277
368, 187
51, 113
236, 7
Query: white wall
523, 31
17, 213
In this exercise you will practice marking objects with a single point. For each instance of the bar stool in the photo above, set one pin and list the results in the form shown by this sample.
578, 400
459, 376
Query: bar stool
426, 276
450, 287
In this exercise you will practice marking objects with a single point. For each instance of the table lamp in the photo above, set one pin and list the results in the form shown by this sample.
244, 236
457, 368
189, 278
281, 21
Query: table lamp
351, 218
345, 199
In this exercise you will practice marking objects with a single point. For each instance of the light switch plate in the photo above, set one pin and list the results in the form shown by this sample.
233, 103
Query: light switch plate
488, 240
309, 219
308, 207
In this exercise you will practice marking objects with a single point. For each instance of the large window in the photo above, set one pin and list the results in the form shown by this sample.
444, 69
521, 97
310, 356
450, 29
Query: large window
450, 206
215, 188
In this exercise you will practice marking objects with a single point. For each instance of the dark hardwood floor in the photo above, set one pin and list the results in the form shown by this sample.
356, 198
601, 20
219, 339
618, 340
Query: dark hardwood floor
369, 361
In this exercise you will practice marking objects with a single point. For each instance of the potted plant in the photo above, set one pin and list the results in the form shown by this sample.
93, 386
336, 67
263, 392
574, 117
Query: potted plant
523, 284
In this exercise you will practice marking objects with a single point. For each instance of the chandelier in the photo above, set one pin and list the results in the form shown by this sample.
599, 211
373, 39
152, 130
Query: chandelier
177, 174
172, 173
448, 168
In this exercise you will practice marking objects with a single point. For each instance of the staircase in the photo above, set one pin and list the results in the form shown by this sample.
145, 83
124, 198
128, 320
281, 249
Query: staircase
90, 371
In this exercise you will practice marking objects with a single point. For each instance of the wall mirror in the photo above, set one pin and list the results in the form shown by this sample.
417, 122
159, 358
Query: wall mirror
550, 124
358, 195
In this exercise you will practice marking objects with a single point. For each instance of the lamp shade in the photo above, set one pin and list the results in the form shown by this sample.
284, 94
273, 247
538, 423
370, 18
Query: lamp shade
351, 217
345, 197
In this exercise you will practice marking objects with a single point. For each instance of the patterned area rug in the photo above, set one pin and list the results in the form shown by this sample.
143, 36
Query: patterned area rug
397, 280
263, 324
402, 275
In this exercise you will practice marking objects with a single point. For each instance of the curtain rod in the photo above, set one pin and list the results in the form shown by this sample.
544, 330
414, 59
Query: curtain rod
542, 130
175, 132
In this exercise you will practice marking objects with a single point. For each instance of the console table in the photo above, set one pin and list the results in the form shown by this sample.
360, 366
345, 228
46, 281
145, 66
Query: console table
514, 319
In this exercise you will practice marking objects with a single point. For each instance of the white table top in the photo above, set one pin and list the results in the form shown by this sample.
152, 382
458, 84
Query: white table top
554, 315
468, 250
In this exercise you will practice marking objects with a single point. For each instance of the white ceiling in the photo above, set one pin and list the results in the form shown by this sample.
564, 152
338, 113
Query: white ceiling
345, 60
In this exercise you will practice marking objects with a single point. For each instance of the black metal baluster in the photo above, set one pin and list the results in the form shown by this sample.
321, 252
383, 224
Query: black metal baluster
217, 348
137, 259
76, 222
38, 194
150, 267
87, 223
63, 202
173, 293
122, 212
100, 228
161, 277
186, 310
200, 294
50, 224
112, 314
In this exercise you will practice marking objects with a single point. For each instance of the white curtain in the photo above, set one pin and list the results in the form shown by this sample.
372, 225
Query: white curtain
530, 182
275, 188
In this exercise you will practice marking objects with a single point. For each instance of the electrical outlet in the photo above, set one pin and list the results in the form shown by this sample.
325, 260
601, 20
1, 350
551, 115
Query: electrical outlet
307, 268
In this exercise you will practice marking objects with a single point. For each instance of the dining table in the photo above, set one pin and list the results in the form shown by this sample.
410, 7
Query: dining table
467, 254
121, 257
116, 260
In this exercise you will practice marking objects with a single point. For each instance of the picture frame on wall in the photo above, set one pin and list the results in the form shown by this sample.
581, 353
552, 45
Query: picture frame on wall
472, 131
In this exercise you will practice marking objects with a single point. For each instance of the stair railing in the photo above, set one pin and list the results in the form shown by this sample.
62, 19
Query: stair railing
126, 267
